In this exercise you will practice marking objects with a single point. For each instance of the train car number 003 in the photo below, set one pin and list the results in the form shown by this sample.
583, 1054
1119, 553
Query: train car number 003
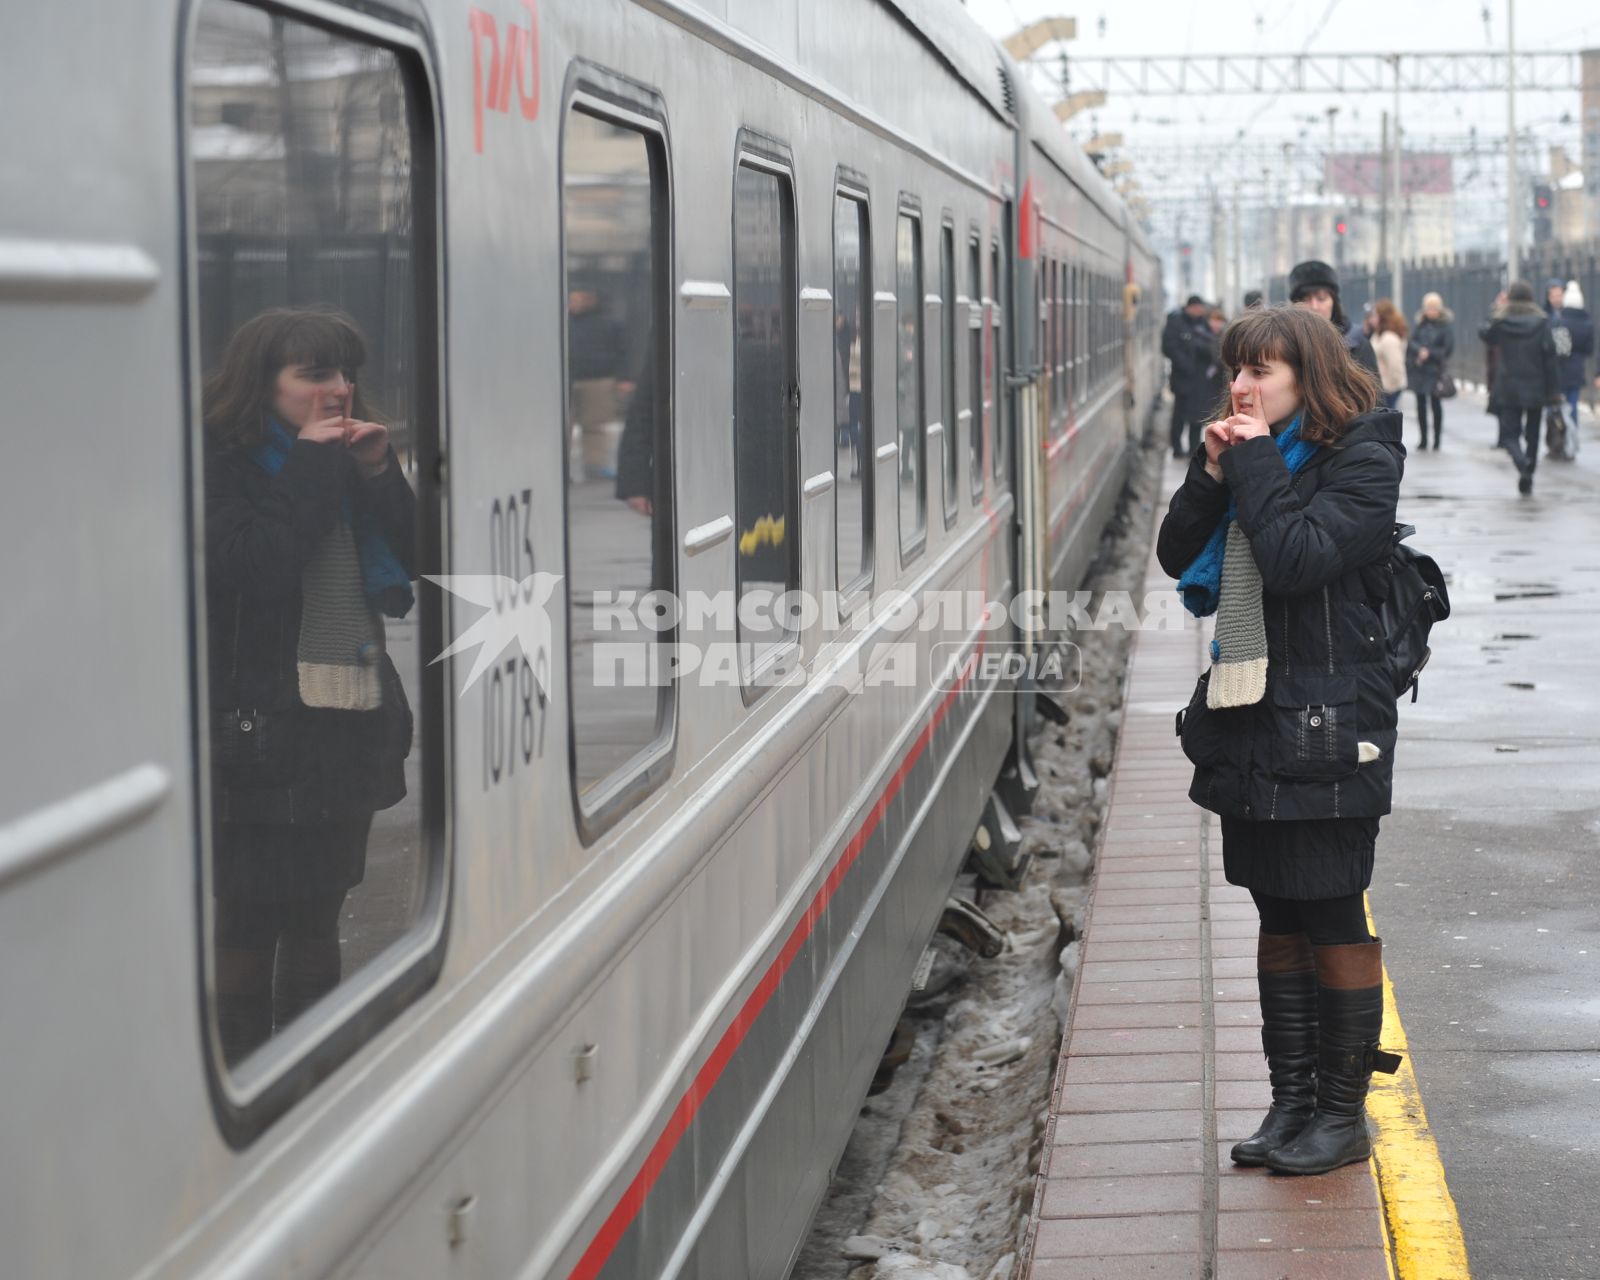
515, 701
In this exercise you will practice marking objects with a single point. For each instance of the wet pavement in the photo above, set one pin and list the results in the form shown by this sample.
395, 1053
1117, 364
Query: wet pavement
1487, 890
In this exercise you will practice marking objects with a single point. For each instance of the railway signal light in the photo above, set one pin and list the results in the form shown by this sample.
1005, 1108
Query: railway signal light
1341, 225
1543, 214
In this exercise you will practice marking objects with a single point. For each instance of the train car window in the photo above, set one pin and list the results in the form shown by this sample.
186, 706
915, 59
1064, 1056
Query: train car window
947, 371
766, 400
852, 373
1080, 336
909, 384
1071, 336
316, 434
996, 365
975, 375
1047, 335
618, 491
1058, 319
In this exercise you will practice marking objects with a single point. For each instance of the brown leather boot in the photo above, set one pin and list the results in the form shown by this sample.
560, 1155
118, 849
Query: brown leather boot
1287, 977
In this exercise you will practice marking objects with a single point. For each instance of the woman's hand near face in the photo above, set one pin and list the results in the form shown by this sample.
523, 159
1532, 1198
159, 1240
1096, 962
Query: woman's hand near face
1217, 438
320, 430
1250, 421
368, 443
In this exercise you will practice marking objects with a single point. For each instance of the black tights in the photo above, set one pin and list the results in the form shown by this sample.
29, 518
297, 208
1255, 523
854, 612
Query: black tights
274, 961
1423, 404
1328, 922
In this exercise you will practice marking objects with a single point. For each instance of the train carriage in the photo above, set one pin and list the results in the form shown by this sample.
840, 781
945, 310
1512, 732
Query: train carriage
720, 302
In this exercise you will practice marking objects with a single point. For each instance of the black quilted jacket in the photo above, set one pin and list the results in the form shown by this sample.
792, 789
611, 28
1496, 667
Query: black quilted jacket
1318, 537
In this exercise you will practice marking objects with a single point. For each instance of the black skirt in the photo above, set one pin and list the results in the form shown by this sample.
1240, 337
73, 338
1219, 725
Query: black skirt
1306, 860
268, 862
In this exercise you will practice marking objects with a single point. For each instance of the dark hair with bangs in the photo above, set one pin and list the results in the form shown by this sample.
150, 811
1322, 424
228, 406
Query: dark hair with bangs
238, 396
1333, 387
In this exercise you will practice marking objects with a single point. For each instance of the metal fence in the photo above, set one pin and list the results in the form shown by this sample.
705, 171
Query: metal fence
1468, 284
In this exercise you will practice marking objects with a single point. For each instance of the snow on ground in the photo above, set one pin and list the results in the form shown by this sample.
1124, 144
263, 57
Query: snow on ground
938, 1176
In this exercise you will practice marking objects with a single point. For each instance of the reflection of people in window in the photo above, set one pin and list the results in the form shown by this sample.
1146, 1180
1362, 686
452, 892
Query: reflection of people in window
636, 479
309, 540
595, 356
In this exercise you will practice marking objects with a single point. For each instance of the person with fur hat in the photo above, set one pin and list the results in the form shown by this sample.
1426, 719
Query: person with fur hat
1567, 312
1433, 340
1525, 379
1315, 286
1281, 526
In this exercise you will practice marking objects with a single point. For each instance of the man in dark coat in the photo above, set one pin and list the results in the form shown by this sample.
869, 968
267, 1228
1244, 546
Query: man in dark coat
1315, 286
1567, 313
1525, 381
1183, 342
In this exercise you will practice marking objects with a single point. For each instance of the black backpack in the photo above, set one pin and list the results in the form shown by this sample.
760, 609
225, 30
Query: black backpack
1411, 597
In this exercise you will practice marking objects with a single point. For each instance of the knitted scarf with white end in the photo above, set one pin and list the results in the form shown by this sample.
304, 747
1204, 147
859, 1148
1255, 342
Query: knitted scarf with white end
1223, 579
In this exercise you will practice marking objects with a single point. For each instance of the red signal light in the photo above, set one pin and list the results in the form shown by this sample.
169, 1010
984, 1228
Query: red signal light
1341, 226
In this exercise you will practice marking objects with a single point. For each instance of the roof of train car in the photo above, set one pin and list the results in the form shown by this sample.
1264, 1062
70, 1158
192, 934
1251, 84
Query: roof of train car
980, 60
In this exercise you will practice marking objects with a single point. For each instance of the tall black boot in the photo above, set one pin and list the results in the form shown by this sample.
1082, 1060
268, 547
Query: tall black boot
1287, 977
1350, 1013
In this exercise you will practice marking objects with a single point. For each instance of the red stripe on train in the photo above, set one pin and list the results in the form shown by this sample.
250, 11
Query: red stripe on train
621, 1218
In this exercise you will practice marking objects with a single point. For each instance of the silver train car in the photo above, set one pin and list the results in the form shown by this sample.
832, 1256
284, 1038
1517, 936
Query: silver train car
552, 974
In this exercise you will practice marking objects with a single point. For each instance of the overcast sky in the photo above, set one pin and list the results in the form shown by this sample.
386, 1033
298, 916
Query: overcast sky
1161, 27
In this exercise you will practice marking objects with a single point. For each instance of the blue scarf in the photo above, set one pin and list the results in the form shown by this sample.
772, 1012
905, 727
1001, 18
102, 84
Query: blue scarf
1201, 582
383, 578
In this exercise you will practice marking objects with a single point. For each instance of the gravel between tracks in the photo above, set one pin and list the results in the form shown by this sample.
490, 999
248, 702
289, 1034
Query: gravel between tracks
937, 1179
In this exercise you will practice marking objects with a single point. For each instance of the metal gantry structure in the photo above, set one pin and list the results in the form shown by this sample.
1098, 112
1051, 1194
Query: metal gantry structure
1191, 181
1185, 75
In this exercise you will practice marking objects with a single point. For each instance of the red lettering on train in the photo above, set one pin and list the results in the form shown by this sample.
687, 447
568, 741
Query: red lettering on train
516, 58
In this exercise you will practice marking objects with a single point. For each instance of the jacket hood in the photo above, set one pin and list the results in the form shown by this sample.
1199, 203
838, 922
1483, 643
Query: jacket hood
1523, 322
1381, 425
1445, 316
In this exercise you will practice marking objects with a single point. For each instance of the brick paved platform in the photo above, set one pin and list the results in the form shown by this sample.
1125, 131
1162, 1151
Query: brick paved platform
1161, 1070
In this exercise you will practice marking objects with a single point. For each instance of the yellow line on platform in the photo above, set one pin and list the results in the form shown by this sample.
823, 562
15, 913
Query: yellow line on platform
1424, 1231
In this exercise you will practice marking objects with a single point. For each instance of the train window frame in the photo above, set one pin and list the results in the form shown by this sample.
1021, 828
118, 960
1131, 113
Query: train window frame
249, 1098
950, 463
977, 328
1047, 335
909, 208
765, 154
606, 95
998, 442
852, 186
1070, 337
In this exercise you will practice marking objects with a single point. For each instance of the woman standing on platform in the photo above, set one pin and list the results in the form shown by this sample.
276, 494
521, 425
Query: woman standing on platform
1389, 343
1282, 528
1431, 345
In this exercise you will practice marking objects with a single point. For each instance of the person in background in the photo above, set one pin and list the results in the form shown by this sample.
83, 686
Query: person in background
1525, 379
1433, 341
1253, 299
1314, 285
1567, 313
1182, 342
1215, 375
1389, 344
